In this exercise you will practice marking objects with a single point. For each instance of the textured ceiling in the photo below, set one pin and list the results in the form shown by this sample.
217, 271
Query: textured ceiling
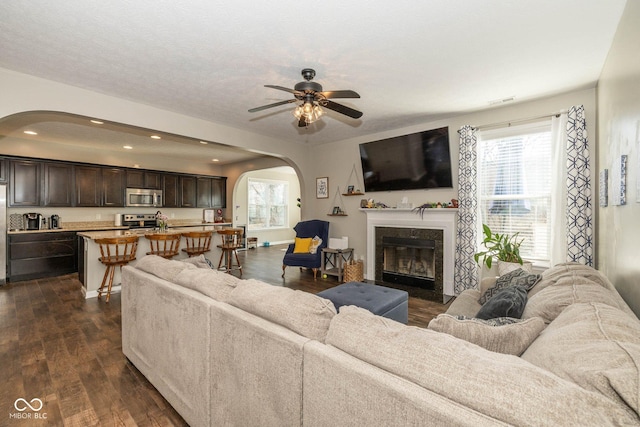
411, 61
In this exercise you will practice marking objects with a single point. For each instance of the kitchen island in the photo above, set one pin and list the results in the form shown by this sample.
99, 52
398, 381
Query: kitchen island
93, 269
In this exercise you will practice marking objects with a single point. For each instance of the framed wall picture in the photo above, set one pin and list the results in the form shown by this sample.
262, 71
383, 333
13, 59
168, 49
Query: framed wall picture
604, 188
619, 181
322, 188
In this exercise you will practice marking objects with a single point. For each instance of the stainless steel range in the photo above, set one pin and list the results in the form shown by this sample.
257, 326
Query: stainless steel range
139, 220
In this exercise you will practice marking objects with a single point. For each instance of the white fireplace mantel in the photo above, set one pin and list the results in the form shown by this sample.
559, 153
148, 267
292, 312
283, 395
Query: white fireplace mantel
444, 219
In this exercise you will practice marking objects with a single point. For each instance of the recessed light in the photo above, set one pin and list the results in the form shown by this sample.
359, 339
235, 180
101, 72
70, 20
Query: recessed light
204, 142
97, 122
155, 137
127, 147
215, 160
136, 165
30, 132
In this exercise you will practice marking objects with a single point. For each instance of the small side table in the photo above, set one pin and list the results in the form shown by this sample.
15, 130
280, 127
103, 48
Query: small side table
333, 261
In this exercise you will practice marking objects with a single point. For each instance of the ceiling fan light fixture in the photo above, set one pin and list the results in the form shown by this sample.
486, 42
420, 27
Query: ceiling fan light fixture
310, 111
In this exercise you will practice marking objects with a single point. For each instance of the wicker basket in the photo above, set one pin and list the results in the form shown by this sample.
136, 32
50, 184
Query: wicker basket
353, 271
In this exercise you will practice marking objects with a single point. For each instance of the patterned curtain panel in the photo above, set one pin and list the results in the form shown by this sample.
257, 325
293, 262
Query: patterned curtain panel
466, 270
579, 207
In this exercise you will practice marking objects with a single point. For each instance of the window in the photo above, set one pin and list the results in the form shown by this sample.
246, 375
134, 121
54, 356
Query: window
268, 207
514, 185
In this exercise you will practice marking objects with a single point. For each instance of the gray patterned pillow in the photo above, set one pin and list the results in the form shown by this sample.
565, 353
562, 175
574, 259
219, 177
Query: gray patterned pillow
509, 302
517, 277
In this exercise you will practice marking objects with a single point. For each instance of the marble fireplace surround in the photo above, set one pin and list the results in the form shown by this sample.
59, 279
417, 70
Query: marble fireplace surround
444, 219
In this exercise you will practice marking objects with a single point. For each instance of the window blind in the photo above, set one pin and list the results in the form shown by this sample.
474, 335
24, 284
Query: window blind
514, 182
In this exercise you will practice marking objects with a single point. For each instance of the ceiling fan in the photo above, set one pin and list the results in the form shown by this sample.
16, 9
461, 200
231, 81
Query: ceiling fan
313, 99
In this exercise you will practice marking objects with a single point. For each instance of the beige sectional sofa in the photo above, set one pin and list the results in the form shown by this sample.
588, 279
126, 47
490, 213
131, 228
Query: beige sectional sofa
231, 352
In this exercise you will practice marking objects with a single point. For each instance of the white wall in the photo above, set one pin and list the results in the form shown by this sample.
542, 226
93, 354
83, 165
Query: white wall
336, 160
619, 133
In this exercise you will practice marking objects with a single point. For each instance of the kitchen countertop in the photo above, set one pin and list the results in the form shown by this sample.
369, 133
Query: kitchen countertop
142, 231
110, 227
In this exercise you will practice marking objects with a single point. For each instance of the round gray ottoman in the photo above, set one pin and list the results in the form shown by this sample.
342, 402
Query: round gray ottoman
380, 300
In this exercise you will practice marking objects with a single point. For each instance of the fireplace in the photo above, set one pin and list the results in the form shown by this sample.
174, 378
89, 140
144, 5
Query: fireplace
408, 261
411, 259
430, 263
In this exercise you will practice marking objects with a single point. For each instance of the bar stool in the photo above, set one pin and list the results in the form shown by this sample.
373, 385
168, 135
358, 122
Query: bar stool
165, 245
231, 242
198, 242
115, 251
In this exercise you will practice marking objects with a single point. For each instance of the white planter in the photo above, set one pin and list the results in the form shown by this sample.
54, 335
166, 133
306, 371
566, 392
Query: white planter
506, 267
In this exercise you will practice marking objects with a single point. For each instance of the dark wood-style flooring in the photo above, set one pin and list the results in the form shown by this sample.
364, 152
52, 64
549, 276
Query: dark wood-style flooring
66, 351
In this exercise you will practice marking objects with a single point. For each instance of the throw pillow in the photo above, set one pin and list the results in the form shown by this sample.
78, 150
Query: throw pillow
509, 302
302, 245
315, 243
503, 335
517, 277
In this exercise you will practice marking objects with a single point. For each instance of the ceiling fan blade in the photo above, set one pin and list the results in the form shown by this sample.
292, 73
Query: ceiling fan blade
286, 89
343, 109
275, 104
339, 94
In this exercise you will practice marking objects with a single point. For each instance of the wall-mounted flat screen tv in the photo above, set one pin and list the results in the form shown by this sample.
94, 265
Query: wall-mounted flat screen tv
416, 161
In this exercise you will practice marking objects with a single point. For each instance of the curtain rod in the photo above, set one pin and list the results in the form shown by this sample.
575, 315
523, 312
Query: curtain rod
511, 122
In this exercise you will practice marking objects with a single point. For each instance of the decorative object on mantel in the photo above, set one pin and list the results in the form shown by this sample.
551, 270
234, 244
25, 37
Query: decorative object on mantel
435, 205
353, 190
322, 188
503, 247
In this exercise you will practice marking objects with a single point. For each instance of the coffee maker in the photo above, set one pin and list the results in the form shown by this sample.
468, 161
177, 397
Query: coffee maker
33, 221
54, 222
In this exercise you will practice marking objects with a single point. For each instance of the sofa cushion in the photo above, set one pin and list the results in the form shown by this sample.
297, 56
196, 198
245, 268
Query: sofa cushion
199, 261
465, 304
517, 277
302, 312
212, 283
504, 387
509, 302
552, 300
509, 336
163, 268
596, 346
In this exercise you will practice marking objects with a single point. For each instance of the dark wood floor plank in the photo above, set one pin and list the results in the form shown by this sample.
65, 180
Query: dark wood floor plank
67, 351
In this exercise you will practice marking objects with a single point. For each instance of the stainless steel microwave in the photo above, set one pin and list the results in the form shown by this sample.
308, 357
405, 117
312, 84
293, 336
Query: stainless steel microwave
143, 197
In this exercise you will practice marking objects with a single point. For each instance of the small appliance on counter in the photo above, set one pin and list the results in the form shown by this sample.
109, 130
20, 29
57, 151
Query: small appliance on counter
34, 221
55, 222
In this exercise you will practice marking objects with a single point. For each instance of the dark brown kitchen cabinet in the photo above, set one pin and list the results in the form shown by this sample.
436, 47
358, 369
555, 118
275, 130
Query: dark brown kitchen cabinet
144, 179
88, 188
58, 184
211, 192
36, 255
204, 192
113, 187
4, 170
25, 184
170, 191
219, 192
188, 193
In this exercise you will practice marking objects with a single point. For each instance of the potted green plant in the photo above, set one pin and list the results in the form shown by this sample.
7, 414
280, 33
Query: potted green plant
504, 248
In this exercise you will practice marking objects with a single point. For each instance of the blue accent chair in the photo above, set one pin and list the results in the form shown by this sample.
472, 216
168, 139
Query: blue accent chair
305, 229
